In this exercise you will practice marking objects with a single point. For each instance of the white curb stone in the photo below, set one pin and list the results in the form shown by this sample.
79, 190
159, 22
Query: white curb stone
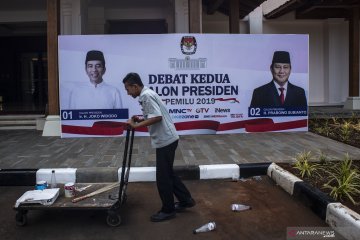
343, 220
62, 175
219, 171
140, 174
282, 177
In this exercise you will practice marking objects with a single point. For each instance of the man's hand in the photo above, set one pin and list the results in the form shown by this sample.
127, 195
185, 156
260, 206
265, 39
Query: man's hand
131, 123
138, 121
134, 120
137, 118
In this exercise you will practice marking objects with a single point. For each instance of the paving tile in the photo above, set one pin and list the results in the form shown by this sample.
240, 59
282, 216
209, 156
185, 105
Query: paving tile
28, 149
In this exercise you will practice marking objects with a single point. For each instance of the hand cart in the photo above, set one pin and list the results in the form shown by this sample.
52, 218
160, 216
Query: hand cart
110, 200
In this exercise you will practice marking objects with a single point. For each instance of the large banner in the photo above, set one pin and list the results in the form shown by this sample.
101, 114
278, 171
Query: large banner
210, 83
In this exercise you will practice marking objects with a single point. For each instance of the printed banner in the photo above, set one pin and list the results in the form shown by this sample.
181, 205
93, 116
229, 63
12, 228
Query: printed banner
210, 83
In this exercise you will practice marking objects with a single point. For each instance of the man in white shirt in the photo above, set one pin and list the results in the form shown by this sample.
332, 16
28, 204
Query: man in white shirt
95, 94
165, 139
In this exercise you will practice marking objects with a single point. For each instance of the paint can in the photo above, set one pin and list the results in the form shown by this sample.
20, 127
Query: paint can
41, 185
69, 189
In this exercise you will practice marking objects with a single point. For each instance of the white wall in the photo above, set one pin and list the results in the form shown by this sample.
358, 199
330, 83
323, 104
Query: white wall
316, 51
328, 56
337, 33
328, 51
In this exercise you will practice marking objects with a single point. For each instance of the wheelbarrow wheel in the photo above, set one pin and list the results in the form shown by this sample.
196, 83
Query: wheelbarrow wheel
21, 219
113, 220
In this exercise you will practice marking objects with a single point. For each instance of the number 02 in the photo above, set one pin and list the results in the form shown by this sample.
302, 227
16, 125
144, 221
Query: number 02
254, 111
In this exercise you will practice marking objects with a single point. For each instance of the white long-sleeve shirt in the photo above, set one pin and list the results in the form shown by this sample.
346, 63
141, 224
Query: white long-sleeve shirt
90, 96
164, 132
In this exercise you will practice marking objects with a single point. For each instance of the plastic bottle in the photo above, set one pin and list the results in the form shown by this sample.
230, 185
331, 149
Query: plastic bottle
53, 180
239, 207
205, 228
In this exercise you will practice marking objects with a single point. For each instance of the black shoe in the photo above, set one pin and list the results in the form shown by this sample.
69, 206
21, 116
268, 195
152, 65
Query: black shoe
162, 216
181, 206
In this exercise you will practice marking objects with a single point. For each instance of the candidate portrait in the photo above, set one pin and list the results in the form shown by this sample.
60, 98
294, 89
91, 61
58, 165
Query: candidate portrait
279, 92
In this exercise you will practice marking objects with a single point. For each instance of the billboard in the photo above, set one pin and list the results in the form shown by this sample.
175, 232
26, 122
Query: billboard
210, 83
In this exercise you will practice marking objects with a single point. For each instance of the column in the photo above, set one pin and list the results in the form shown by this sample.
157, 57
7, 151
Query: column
234, 16
195, 16
256, 21
52, 44
181, 16
353, 101
52, 124
73, 17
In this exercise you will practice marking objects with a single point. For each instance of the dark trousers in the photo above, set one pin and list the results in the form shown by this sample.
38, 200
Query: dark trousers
168, 183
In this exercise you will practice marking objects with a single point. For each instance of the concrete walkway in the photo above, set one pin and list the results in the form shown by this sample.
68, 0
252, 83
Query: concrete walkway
21, 149
24, 149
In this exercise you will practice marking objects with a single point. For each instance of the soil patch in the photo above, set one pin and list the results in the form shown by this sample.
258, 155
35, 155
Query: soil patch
318, 180
345, 130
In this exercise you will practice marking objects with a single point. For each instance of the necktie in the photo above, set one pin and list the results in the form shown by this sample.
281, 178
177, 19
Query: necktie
282, 97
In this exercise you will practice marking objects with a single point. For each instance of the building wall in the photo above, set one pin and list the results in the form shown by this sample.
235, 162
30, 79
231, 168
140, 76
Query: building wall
316, 51
219, 23
98, 16
328, 51
328, 56
328, 63
13, 16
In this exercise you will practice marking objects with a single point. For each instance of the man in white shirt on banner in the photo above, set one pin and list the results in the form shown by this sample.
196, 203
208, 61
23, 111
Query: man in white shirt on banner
95, 94
165, 139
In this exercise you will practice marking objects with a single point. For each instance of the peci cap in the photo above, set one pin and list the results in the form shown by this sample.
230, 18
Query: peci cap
95, 55
281, 57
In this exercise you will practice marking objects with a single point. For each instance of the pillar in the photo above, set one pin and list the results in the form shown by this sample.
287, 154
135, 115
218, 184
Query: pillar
195, 16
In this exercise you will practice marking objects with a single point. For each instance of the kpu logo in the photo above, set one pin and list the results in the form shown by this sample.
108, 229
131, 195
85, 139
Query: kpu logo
188, 45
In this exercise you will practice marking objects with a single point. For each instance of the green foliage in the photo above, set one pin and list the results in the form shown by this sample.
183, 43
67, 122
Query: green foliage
354, 118
345, 130
344, 180
304, 165
324, 128
335, 120
357, 126
323, 158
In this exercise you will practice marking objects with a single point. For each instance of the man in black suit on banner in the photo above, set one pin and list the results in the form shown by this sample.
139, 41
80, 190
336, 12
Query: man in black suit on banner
279, 92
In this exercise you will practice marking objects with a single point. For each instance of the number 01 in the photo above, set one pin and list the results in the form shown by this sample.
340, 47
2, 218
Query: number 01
66, 115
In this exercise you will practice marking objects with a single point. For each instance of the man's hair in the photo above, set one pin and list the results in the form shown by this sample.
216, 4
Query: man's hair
95, 55
132, 79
